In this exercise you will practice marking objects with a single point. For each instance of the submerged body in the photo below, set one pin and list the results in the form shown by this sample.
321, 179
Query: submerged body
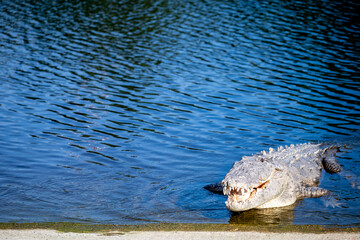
277, 178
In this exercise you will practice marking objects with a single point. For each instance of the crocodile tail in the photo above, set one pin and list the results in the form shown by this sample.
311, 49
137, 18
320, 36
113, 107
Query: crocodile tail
331, 165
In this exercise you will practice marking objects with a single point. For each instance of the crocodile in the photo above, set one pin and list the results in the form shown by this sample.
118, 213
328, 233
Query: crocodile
277, 177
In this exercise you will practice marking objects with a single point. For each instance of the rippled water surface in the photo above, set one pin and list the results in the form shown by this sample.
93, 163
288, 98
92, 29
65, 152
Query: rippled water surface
121, 111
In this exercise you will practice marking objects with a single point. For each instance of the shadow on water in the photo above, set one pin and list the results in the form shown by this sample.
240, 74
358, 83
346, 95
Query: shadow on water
270, 216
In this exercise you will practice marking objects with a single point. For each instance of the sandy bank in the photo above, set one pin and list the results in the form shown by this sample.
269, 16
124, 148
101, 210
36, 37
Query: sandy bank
177, 235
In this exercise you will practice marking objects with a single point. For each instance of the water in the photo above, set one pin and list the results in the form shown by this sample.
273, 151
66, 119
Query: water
121, 111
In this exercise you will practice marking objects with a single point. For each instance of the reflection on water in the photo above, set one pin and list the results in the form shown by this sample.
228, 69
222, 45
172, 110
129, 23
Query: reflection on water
121, 111
270, 216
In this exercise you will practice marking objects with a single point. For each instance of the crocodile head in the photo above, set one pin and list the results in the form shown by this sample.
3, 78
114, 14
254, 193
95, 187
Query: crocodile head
254, 183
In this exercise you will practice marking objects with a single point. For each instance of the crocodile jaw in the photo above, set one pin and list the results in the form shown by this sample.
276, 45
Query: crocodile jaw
263, 195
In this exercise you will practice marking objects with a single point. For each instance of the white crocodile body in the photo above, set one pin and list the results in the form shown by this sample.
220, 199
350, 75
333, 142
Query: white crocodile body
277, 178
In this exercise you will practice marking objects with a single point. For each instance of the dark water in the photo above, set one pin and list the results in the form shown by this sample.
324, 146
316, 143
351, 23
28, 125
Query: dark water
121, 111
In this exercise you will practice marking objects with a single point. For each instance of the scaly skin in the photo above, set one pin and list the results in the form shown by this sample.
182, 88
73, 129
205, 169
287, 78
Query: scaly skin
277, 178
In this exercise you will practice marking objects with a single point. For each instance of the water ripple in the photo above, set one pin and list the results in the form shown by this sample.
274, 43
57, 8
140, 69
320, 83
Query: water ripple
120, 112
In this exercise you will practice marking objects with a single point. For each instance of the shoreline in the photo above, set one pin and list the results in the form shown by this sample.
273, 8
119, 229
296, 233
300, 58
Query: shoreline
34, 234
186, 227
77, 231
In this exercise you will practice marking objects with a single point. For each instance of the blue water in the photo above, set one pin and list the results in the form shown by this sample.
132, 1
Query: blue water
121, 111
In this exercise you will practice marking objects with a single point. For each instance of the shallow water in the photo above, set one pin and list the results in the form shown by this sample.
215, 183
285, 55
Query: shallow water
121, 111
